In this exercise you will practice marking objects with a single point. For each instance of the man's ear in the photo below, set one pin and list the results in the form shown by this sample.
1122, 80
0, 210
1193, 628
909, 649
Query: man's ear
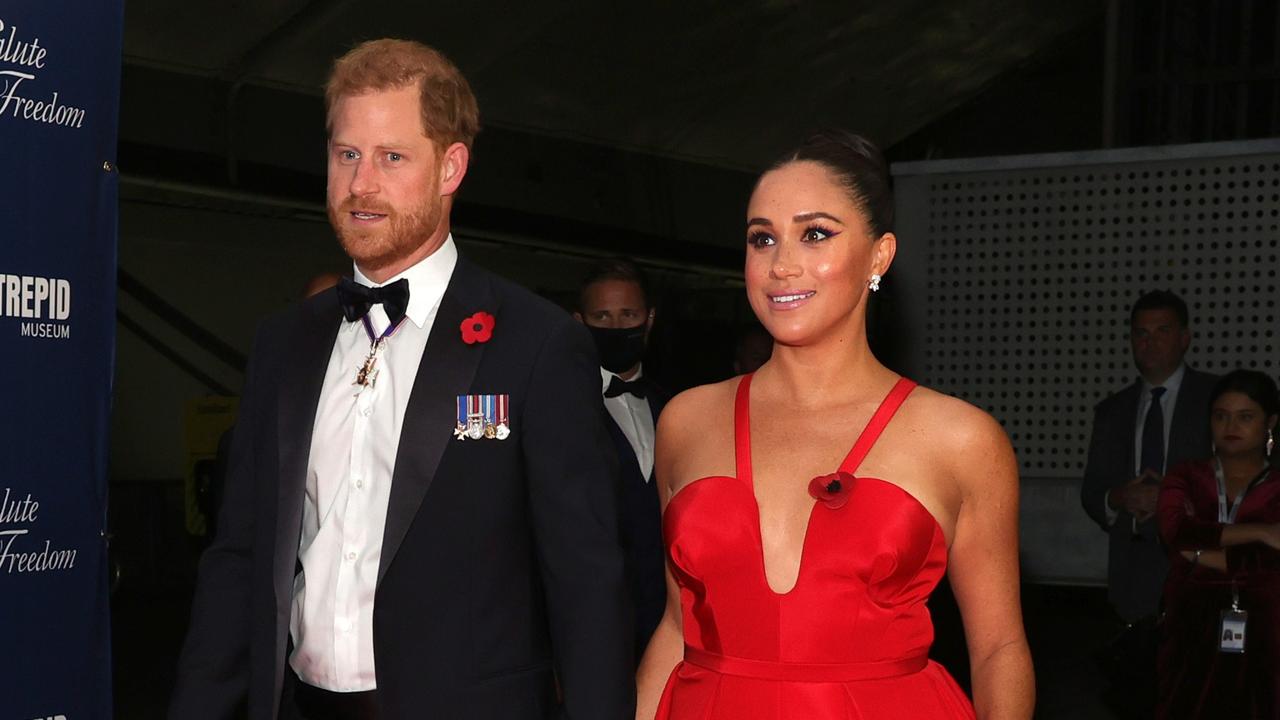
578, 316
453, 167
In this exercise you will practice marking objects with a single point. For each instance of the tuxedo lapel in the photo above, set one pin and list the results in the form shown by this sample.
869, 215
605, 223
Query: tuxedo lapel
627, 460
445, 372
307, 360
1127, 428
657, 400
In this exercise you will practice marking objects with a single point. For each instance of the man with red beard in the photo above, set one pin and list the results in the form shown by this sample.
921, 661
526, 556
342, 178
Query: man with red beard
421, 510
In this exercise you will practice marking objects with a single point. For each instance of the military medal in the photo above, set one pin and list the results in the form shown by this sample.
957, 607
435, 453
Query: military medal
484, 417
367, 373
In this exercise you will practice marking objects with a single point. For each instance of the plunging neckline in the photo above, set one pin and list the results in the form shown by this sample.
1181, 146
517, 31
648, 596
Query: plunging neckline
852, 461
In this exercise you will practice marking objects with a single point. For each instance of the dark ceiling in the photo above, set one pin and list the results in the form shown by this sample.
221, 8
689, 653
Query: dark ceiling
606, 122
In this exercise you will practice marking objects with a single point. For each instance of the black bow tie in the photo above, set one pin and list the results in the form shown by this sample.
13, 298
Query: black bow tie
356, 299
618, 386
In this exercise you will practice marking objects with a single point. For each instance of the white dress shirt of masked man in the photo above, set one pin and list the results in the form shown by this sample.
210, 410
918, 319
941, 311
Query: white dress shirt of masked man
614, 305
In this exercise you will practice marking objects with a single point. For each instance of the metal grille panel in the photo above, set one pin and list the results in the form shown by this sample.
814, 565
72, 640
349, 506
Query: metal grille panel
1030, 266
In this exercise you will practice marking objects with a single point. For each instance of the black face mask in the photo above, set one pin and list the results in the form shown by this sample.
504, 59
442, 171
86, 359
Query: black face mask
620, 348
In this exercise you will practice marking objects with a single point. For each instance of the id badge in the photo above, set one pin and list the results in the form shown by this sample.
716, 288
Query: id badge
1231, 631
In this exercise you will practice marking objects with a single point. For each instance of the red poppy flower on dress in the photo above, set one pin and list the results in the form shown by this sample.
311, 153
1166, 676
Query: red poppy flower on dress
478, 328
832, 490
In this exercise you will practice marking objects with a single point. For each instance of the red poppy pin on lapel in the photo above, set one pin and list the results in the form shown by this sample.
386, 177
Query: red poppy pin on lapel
832, 490
478, 328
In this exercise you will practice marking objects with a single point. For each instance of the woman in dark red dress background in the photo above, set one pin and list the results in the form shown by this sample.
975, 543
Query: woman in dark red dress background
1223, 546
800, 568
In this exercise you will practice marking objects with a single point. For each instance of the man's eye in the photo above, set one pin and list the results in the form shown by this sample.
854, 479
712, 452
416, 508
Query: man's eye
395, 157
349, 155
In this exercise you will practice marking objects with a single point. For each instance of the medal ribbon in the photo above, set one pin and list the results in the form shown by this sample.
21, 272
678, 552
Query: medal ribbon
375, 340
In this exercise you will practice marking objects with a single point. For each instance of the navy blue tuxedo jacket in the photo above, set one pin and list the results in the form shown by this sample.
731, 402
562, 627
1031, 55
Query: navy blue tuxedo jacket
642, 528
501, 562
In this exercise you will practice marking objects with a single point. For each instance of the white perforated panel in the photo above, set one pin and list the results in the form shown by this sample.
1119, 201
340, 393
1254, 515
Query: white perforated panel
1028, 266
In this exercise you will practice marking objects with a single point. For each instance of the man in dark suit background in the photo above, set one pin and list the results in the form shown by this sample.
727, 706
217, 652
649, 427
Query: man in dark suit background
1139, 433
420, 517
613, 302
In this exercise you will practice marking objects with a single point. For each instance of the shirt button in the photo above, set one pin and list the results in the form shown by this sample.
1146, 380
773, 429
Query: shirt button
351, 556
344, 625
359, 483
366, 411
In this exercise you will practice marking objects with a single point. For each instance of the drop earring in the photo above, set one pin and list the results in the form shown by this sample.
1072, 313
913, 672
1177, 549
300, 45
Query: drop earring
1271, 443
875, 282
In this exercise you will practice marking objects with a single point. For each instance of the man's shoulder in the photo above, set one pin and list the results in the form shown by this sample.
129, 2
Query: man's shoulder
1199, 381
658, 395
1117, 400
282, 327
520, 304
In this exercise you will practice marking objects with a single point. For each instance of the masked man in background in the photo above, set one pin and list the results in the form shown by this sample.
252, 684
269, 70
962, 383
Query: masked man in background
615, 307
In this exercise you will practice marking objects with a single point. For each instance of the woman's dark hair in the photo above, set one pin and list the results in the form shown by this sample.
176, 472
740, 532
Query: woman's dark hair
1259, 387
860, 167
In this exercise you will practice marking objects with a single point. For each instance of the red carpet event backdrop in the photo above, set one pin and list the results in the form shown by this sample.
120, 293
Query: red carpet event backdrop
59, 97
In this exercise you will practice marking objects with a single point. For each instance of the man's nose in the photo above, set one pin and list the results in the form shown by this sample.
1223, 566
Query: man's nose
365, 179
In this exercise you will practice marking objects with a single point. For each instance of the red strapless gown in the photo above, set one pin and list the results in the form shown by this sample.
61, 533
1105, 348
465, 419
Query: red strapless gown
850, 640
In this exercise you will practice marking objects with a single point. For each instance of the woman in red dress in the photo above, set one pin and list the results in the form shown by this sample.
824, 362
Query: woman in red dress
799, 568
1221, 520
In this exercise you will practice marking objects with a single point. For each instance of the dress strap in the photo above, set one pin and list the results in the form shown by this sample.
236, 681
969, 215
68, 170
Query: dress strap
742, 430
877, 424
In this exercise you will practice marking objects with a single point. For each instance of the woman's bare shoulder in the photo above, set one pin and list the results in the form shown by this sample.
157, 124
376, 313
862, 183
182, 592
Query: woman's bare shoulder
689, 429
954, 426
699, 403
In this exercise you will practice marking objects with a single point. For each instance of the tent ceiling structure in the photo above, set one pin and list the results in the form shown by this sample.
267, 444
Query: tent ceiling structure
684, 99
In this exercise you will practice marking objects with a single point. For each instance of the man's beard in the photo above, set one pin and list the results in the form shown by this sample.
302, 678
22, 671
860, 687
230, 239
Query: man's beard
397, 238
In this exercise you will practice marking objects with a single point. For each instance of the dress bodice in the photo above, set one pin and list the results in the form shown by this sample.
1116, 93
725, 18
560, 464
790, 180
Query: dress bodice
866, 567
850, 640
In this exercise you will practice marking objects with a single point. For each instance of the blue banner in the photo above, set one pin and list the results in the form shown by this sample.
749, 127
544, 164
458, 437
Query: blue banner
59, 97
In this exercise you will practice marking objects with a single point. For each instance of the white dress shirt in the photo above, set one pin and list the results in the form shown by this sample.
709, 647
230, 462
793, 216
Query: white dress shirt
635, 419
353, 453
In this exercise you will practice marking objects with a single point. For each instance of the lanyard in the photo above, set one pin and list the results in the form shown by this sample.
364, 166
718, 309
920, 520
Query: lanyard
1229, 516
